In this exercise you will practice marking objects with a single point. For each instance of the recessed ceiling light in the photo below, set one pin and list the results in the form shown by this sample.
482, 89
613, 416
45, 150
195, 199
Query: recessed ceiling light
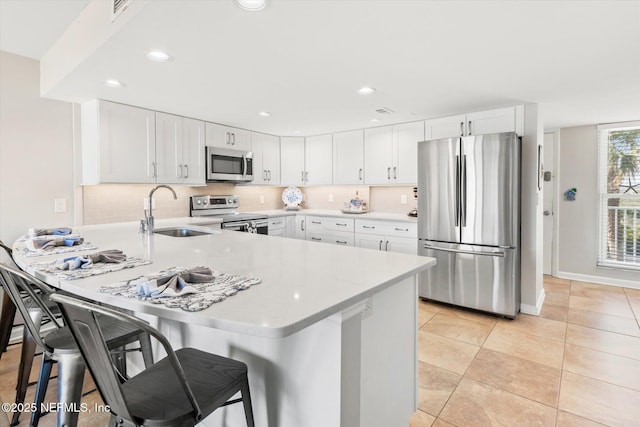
252, 5
264, 113
375, 120
114, 83
366, 90
159, 56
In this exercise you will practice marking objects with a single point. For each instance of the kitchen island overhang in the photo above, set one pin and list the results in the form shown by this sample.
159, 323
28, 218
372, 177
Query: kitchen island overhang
329, 335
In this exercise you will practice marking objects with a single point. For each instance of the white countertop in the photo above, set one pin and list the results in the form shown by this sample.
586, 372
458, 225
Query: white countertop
302, 282
337, 213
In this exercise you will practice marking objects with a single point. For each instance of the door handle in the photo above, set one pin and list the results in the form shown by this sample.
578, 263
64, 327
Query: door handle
380, 245
227, 137
233, 139
386, 246
469, 128
155, 170
360, 174
395, 170
546, 213
186, 171
342, 242
388, 173
264, 175
461, 128
457, 206
302, 225
179, 171
302, 176
463, 199
316, 239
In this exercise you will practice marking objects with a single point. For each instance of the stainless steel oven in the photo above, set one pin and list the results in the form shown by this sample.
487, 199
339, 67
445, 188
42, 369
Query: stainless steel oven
226, 208
227, 165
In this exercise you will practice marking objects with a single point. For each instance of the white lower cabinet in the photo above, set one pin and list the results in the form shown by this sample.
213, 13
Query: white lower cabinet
387, 236
337, 231
300, 227
277, 226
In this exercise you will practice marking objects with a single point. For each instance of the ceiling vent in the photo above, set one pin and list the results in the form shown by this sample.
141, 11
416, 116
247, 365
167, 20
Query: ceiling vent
118, 7
384, 110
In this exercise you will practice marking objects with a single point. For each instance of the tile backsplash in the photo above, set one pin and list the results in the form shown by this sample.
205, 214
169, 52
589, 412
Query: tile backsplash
108, 203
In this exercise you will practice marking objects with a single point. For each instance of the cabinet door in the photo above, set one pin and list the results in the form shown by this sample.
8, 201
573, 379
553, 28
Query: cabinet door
369, 241
217, 135
239, 139
445, 127
300, 230
271, 159
292, 161
378, 155
169, 148
290, 227
405, 165
193, 169
318, 160
401, 244
348, 157
258, 146
491, 121
127, 144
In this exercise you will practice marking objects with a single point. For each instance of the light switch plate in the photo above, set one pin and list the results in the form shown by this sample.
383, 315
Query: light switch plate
403, 199
330, 198
60, 205
261, 199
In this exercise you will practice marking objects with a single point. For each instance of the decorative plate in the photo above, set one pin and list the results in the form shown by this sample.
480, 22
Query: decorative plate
292, 196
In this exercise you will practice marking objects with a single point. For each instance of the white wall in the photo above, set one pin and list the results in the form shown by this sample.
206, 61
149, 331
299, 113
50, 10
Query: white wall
578, 220
36, 151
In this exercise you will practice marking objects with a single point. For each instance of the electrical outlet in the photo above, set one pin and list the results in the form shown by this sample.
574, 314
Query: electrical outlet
60, 205
330, 198
261, 199
403, 199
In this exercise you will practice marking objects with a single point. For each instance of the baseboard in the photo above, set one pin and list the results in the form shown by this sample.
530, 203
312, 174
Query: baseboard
599, 280
534, 310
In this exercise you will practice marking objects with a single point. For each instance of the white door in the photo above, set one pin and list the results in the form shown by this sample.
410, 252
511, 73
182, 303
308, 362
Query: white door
548, 205
291, 161
378, 155
445, 127
192, 166
257, 146
491, 121
271, 159
401, 244
168, 148
405, 165
348, 157
369, 241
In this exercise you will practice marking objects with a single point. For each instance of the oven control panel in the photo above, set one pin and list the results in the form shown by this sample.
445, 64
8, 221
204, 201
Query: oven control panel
214, 202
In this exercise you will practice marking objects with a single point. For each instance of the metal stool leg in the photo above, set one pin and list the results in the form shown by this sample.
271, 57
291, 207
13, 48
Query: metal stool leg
6, 321
70, 377
246, 401
147, 352
41, 389
26, 362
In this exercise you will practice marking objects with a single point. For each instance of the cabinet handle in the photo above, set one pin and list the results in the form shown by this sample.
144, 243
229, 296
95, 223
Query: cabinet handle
360, 174
264, 175
179, 171
372, 227
380, 245
302, 225
461, 128
276, 223
186, 171
386, 246
306, 176
395, 172
155, 170
269, 174
227, 138
233, 139
341, 224
302, 176
316, 239
316, 222
342, 242
469, 128
401, 229
388, 173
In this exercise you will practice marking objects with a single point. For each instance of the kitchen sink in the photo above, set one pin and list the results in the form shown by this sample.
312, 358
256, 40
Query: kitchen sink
183, 232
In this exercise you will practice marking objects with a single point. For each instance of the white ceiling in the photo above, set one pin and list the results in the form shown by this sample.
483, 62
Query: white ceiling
303, 61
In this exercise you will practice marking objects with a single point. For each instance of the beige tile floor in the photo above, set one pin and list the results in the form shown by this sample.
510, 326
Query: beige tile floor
577, 364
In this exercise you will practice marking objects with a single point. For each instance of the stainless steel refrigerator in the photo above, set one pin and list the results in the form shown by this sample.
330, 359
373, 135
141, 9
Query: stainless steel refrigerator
469, 220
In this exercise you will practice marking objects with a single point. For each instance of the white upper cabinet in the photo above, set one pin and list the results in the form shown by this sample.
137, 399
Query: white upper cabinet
266, 158
390, 153
179, 150
348, 157
228, 137
510, 119
193, 159
118, 143
292, 161
318, 160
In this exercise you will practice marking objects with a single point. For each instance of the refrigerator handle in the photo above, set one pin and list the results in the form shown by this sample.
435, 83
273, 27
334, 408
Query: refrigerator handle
463, 198
461, 251
457, 209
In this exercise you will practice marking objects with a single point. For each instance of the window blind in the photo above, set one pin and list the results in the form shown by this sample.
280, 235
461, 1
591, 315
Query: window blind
619, 198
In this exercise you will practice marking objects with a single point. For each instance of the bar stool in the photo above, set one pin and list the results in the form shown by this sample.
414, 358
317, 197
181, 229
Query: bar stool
179, 390
59, 345
8, 315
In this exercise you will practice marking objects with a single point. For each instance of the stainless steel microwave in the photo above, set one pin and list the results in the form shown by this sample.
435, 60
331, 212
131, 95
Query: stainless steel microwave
227, 165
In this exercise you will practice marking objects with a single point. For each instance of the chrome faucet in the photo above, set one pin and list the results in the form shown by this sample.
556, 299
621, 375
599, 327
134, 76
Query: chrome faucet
147, 224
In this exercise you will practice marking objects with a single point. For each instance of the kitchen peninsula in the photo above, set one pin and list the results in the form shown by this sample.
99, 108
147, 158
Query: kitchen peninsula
329, 334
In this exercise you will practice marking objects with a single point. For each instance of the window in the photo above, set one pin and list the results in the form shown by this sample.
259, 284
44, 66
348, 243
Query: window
619, 172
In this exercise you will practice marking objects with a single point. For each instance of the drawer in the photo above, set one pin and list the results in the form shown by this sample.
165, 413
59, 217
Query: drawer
324, 223
336, 237
387, 228
277, 223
